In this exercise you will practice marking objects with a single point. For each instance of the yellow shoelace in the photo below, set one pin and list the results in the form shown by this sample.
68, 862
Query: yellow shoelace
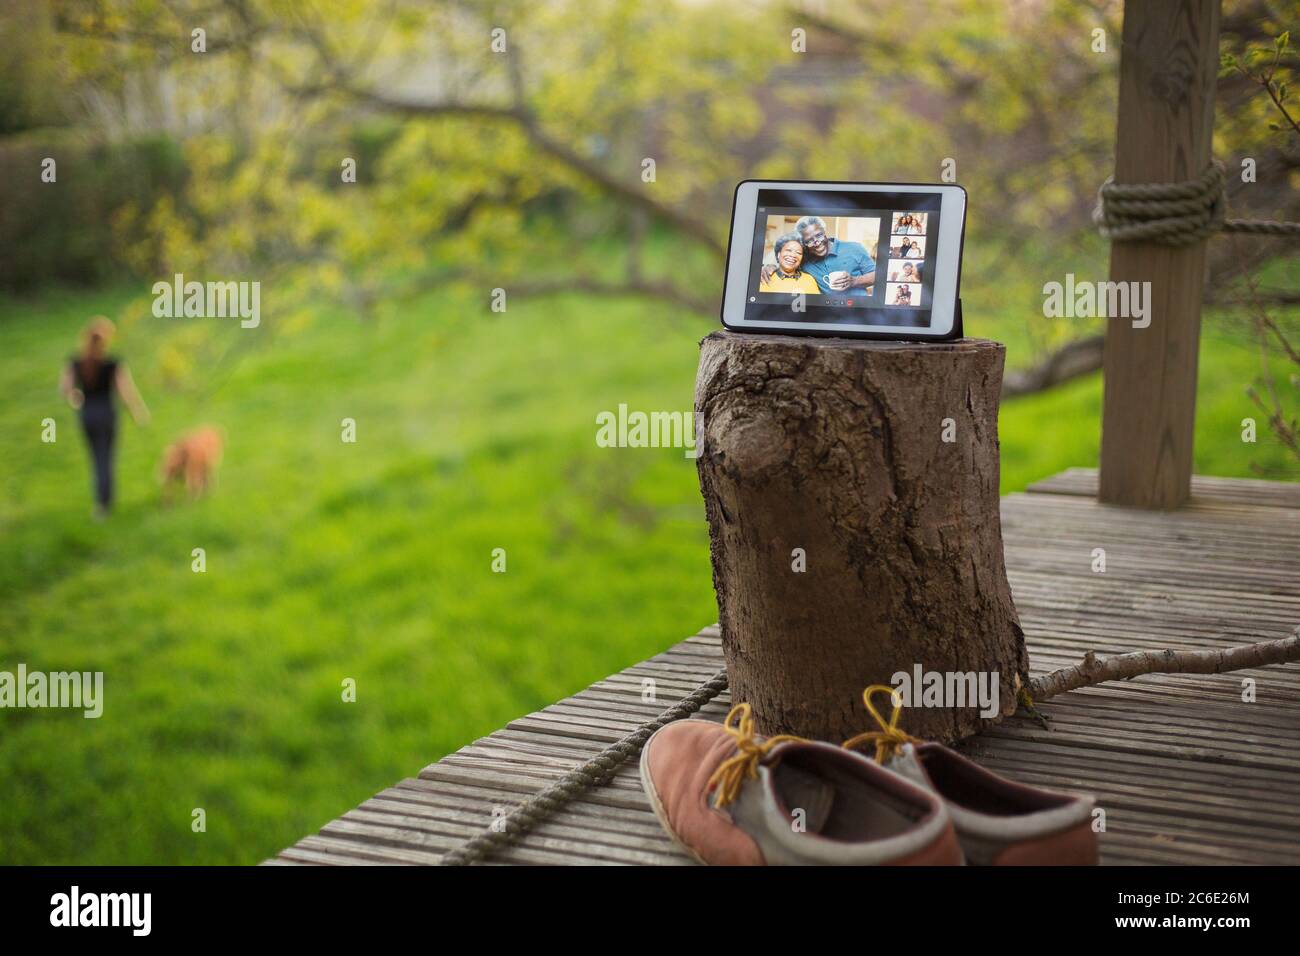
889, 737
734, 771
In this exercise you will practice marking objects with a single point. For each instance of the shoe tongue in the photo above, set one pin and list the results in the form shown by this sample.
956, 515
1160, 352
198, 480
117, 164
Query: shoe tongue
801, 790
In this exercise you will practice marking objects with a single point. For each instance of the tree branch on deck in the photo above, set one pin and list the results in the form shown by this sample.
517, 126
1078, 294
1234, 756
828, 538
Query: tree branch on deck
1127, 666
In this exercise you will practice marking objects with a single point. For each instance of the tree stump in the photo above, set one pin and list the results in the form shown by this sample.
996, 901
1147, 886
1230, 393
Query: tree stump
873, 466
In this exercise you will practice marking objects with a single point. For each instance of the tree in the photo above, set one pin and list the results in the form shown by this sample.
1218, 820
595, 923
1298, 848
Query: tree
464, 138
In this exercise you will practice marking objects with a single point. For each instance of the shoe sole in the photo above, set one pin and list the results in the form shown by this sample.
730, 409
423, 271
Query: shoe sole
658, 809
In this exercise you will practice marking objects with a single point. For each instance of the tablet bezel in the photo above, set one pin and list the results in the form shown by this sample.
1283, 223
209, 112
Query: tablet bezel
944, 308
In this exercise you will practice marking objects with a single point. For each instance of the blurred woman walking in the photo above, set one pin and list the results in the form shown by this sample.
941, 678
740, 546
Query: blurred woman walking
88, 382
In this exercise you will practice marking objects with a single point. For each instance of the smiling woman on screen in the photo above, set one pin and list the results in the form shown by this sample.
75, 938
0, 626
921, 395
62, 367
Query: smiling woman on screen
789, 276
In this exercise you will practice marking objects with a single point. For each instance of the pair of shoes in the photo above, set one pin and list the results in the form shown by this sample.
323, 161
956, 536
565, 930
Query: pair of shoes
730, 797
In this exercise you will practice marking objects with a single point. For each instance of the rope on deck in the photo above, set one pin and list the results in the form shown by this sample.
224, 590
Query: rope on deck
505, 831
1175, 214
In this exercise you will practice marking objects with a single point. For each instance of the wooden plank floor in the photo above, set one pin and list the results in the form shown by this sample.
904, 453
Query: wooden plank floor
1249, 491
1186, 771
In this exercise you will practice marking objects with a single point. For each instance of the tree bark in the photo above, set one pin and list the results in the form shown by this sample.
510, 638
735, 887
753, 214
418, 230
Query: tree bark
879, 462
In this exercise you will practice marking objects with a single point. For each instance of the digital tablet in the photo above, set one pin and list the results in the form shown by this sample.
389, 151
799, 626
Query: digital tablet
877, 260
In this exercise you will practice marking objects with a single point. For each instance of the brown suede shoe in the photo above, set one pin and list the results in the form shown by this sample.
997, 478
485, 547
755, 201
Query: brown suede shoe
999, 822
731, 798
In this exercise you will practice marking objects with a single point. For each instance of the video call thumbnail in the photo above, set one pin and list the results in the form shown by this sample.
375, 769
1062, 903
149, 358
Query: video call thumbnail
907, 243
908, 224
907, 247
819, 255
906, 270
903, 293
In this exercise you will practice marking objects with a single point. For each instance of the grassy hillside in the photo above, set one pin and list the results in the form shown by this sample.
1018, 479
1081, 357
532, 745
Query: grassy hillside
372, 560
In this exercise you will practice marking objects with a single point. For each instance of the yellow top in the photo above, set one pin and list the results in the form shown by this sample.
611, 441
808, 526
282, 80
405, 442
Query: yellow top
799, 282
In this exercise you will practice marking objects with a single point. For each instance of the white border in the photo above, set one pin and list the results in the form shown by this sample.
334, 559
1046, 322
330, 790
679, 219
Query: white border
943, 305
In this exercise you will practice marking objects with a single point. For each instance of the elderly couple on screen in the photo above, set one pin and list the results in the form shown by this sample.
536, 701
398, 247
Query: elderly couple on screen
810, 261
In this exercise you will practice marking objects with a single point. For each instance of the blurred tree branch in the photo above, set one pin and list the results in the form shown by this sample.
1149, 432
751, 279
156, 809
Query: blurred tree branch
1265, 67
1073, 360
491, 137
335, 78
523, 118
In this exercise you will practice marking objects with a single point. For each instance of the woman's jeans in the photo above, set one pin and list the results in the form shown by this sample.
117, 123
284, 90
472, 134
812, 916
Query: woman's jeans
99, 421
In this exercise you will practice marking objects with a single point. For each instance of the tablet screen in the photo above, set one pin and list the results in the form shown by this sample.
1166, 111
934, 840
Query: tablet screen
865, 258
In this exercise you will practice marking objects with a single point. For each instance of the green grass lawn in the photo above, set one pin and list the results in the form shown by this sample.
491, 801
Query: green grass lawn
372, 560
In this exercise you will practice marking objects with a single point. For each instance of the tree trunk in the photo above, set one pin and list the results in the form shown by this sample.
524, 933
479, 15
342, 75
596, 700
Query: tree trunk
873, 466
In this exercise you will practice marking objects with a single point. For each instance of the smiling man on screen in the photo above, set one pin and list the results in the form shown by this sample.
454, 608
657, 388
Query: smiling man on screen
838, 265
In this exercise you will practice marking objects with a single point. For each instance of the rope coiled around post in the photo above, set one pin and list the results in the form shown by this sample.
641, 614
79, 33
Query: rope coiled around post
594, 772
1175, 214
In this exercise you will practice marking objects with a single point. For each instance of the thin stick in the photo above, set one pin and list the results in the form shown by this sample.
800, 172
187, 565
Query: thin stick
1127, 666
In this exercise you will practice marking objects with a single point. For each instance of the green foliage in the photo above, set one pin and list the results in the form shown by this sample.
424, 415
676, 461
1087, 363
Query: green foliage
595, 78
1260, 63
455, 142
29, 75
93, 220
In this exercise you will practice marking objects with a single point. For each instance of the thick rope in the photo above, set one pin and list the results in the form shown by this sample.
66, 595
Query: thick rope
503, 832
1175, 214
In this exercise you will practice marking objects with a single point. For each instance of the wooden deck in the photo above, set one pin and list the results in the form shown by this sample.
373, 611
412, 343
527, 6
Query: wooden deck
1186, 771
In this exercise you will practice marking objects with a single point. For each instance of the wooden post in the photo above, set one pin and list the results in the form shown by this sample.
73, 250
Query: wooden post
852, 495
1169, 63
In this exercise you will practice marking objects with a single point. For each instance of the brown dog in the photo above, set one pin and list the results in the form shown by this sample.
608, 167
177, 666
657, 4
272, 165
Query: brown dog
192, 458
